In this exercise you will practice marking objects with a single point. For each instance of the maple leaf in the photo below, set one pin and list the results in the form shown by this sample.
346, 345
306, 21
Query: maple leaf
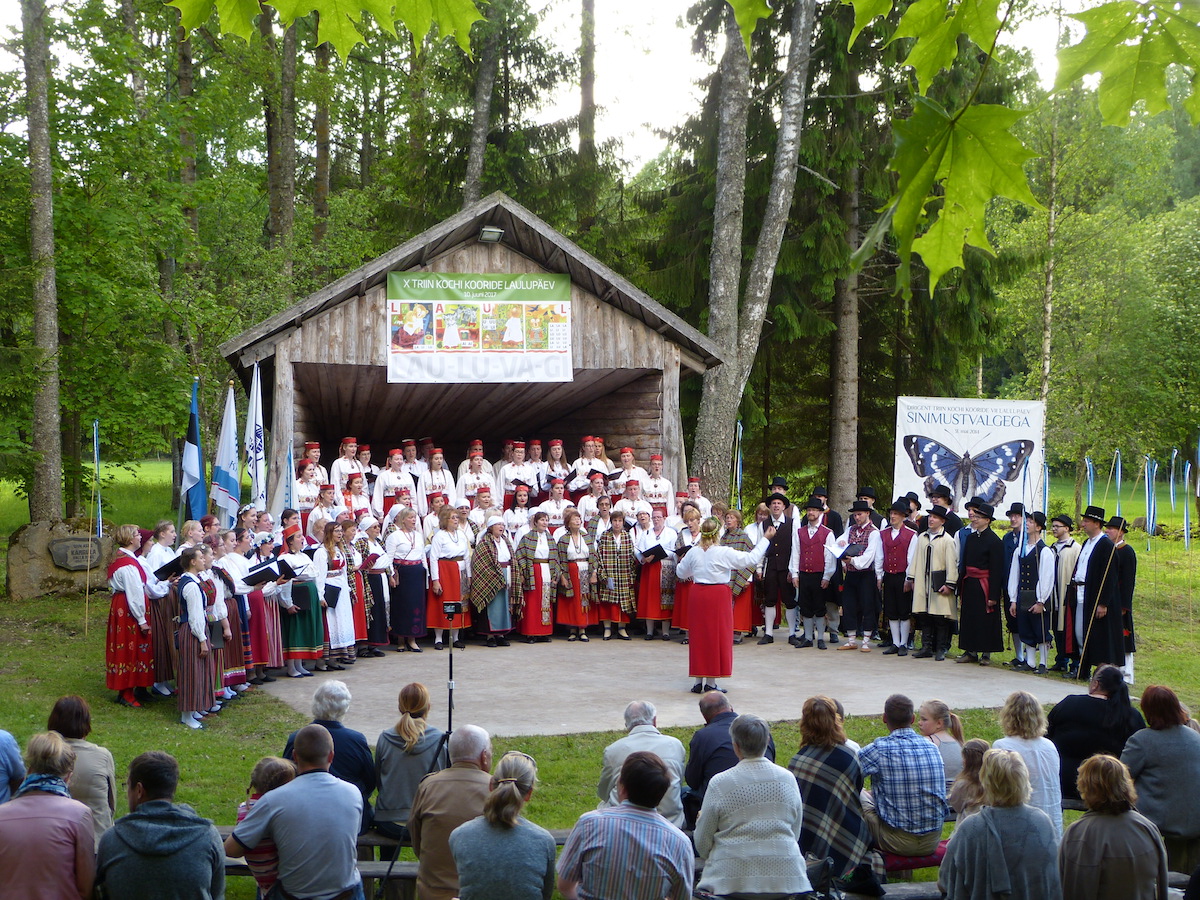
974, 158
340, 18
866, 11
747, 13
936, 33
1130, 44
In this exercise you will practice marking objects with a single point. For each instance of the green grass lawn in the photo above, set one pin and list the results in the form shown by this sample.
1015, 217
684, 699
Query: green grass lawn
55, 645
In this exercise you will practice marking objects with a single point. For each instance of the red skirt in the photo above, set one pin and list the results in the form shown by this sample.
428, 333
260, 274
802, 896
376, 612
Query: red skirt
451, 581
649, 594
710, 640
611, 612
358, 595
679, 615
128, 654
531, 622
260, 642
233, 656
570, 611
743, 610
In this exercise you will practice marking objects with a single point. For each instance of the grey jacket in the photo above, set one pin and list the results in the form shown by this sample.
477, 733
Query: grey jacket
161, 851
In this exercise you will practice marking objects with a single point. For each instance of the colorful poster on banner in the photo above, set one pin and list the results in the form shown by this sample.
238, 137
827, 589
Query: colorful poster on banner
988, 448
451, 328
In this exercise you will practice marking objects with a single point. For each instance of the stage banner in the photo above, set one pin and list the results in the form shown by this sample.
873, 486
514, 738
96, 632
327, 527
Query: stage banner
990, 448
461, 328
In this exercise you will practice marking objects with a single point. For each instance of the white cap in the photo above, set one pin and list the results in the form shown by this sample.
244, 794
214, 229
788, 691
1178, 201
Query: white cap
493, 520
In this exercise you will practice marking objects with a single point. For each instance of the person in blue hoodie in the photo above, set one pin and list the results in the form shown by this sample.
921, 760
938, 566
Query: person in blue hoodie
162, 850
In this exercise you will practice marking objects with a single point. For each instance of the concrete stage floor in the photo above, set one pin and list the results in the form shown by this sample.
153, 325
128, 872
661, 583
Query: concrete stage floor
563, 688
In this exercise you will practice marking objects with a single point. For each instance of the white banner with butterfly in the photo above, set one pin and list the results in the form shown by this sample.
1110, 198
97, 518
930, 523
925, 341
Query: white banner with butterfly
990, 448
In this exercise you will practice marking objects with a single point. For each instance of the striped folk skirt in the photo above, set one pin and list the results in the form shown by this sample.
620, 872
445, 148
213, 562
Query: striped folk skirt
377, 619
260, 641
195, 674
537, 617
452, 592
163, 611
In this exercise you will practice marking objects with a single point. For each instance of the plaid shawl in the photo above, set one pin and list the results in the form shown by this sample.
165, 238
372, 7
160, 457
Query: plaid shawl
618, 563
739, 578
830, 781
487, 576
560, 566
523, 580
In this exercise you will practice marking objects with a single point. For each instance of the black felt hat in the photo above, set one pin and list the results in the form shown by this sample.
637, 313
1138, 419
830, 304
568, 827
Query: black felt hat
1095, 513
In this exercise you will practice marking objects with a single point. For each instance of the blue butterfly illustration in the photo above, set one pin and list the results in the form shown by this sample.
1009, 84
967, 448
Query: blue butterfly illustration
967, 476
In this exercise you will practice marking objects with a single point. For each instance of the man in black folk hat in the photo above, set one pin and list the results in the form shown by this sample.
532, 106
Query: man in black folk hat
981, 621
867, 495
940, 495
777, 589
862, 561
1066, 551
1093, 608
1011, 541
1126, 564
811, 567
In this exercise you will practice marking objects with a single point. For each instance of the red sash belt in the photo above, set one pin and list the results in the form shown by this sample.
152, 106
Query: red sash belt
982, 576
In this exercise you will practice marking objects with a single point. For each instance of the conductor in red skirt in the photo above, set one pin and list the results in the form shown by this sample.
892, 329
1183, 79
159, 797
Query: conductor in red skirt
710, 566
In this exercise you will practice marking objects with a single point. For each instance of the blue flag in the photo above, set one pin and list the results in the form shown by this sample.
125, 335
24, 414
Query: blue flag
195, 494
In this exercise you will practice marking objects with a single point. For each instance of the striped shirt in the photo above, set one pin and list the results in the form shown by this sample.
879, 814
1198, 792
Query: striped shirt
908, 781
627, 852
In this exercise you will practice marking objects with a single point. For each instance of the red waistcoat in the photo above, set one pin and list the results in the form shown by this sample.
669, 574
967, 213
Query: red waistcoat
895, 549
812, 549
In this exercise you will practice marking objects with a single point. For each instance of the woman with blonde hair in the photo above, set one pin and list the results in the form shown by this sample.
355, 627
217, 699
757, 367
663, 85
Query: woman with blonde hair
1008, 848
1023, 722
46, 841
501, 853
1113, 852
128, 648
710, 568
944, 728
404, 754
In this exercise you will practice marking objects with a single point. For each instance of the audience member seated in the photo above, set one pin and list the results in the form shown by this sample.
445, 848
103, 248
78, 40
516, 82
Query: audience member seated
445, 800
1099, 721
501, 855
47, 847
94, 779
710, 752
966, 794
12, 767
161, 850
1164, 760
906, 806
748, 832
1008, 848
641, 722
404, 754
1023, 722
831, 781
629, 851
263, 861
1113, 852
944, 728
351, 753
313, 822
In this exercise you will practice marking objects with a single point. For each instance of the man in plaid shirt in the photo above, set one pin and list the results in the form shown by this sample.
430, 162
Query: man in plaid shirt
906, 805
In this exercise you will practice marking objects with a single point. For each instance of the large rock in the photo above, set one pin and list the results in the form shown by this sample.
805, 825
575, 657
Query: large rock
57, 558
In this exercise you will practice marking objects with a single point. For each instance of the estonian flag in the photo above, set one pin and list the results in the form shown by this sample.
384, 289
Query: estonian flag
226, 490
195, 496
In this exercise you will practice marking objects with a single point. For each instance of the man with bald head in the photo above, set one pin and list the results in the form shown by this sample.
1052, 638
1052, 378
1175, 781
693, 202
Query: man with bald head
445, 800
641, 721
711, 751
313, 821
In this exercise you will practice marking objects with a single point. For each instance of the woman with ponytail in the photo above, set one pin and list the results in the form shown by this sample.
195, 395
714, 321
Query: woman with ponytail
404, 754
709, 567
501, 855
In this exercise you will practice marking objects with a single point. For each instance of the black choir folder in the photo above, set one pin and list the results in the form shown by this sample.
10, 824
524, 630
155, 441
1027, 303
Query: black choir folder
271, 570
655, 553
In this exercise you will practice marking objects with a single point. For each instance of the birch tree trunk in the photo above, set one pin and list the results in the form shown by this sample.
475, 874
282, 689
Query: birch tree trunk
321, 162
843, 433
587, 112
481, 117
736, 329
45, 490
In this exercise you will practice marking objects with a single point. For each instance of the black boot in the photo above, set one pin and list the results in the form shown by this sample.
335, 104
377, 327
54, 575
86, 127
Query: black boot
928, 639
943, 641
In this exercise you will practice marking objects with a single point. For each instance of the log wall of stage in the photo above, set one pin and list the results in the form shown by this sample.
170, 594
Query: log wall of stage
642, 413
